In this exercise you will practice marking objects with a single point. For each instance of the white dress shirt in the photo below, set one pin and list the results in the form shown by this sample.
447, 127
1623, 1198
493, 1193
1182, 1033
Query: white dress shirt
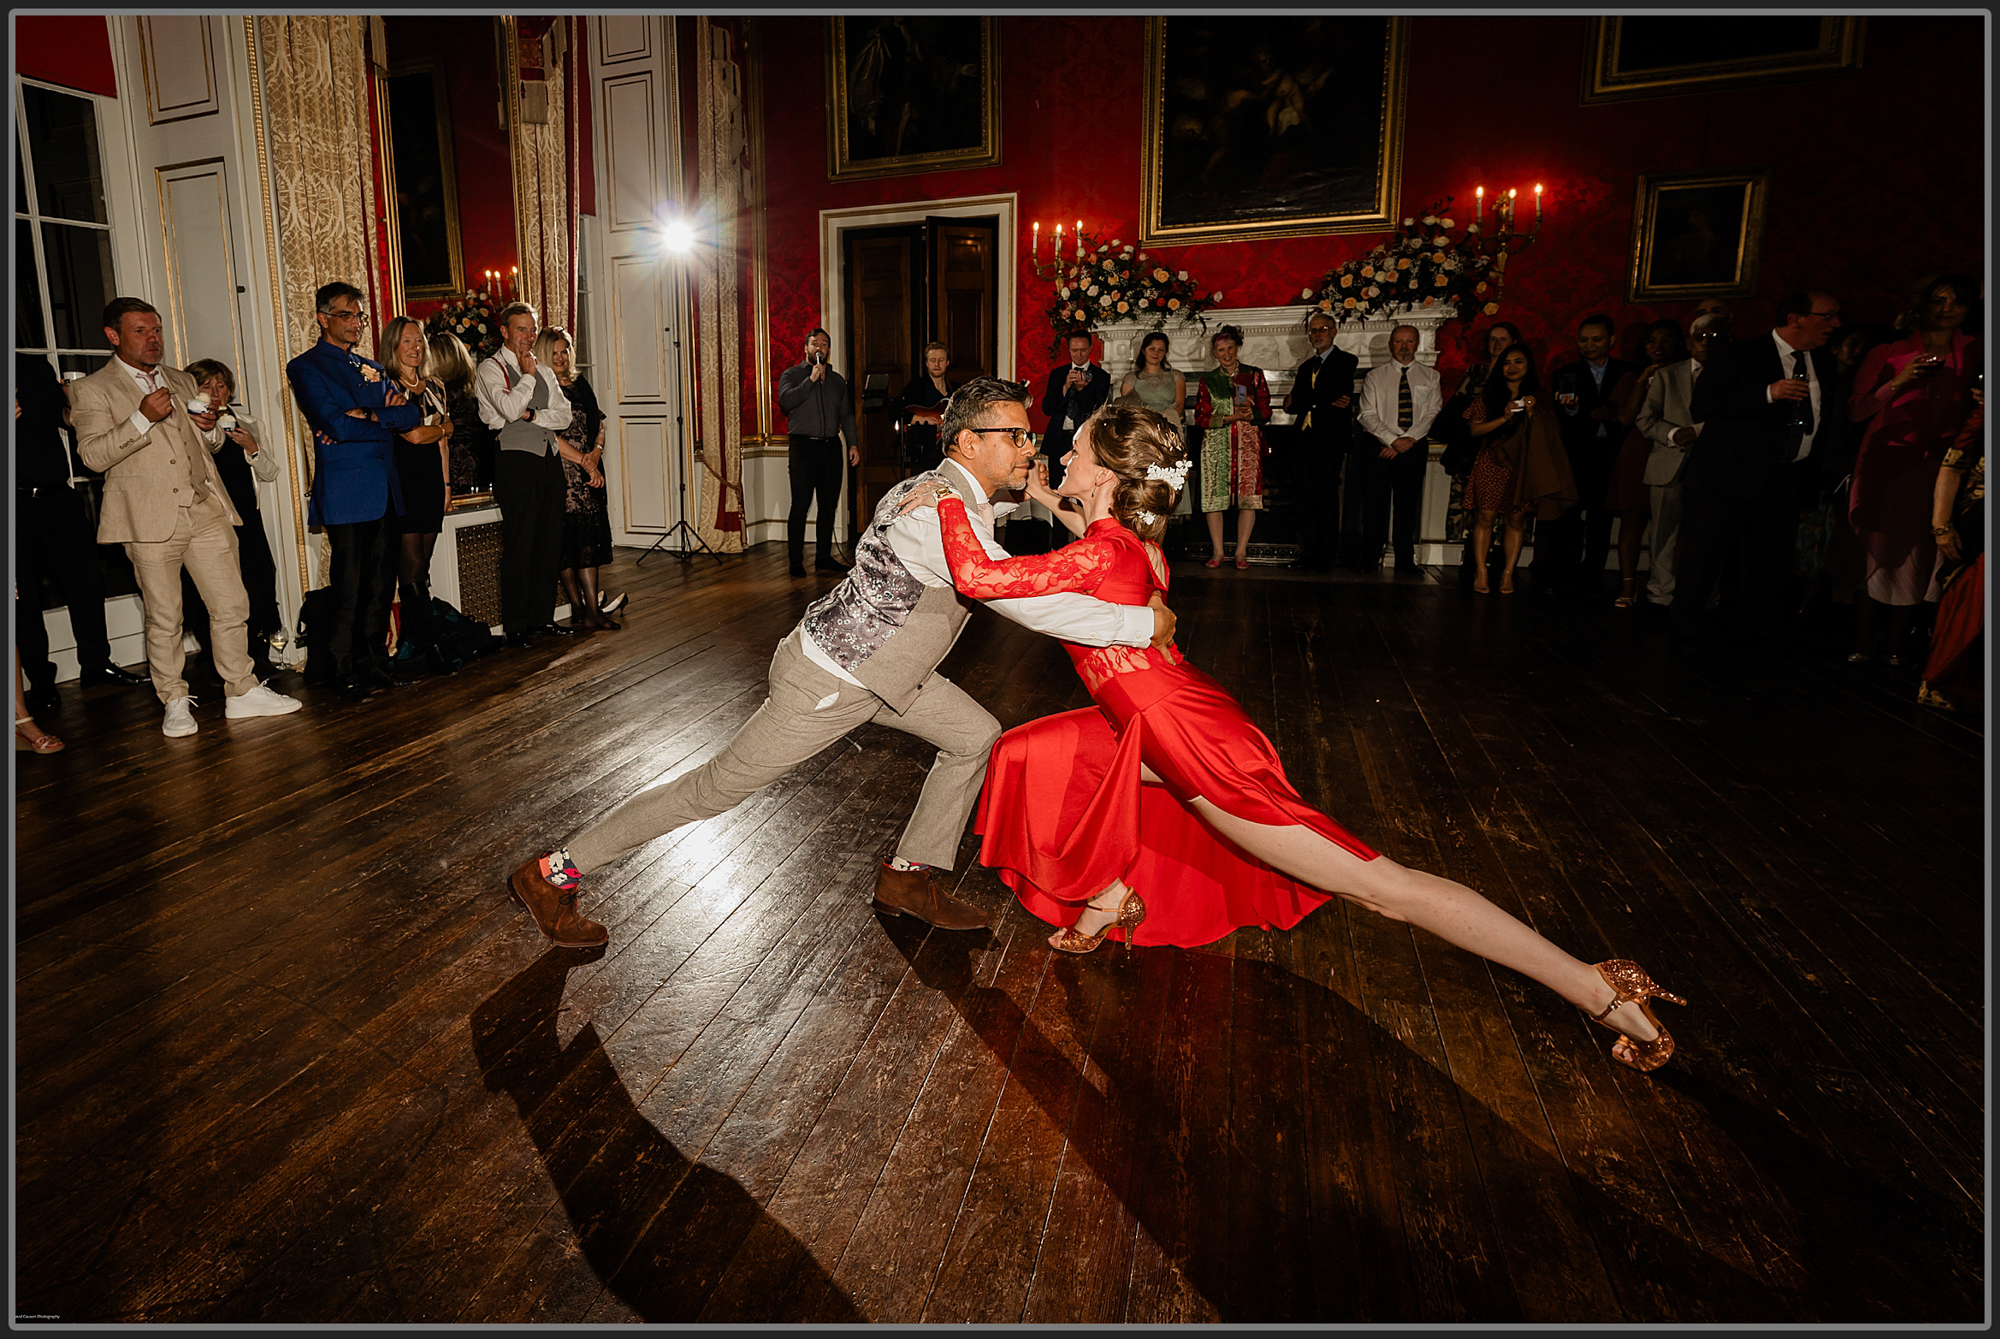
499, 406
1379, 394
1785, 352
918, 540
149, 380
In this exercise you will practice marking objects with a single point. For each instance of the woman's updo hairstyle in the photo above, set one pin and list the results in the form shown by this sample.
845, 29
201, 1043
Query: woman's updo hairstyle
1127, 440
1228, 332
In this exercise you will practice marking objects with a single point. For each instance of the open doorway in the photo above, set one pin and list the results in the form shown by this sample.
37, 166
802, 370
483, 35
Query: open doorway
907, 284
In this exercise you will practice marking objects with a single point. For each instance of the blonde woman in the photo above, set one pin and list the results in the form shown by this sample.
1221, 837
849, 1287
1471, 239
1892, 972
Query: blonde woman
423, 465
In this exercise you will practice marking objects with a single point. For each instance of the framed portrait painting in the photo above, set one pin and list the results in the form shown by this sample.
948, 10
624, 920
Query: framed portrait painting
911, 94
1697, 235
1272, 125
423, 181
1661, 56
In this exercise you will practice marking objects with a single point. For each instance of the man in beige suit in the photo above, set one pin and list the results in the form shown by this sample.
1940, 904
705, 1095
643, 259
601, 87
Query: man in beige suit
164, 501
1668, 423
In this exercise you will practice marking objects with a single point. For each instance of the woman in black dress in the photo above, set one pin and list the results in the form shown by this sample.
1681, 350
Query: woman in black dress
586, 537
921, 406
423, 466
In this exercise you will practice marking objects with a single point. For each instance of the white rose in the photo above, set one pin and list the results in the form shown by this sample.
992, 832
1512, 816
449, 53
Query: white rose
1092, 291
1472, 231
1409, 223
1429, 219
1216, 296
1305, 292
1181, 276
1447, 223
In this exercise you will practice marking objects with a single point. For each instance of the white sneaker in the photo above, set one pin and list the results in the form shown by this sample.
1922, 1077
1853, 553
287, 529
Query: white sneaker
260, 701
180, 719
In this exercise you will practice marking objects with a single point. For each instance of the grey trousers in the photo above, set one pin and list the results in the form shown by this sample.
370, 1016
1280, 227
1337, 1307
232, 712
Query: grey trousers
807, 710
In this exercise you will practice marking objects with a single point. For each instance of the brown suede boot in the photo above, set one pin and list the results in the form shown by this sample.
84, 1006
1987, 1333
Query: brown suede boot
911, 892
554, 909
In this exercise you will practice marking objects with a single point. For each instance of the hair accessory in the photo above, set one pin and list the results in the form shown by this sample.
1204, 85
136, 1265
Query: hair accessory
1144, 517
1173, 474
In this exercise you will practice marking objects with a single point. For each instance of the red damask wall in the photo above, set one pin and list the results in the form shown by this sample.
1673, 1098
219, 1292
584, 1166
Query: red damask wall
1876, 179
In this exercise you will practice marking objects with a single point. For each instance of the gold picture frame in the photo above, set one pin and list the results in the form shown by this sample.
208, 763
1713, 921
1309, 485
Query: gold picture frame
1344, 164
1781, 49
1697, 235
933, 128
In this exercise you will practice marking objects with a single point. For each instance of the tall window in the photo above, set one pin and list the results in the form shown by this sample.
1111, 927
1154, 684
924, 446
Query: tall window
62, 231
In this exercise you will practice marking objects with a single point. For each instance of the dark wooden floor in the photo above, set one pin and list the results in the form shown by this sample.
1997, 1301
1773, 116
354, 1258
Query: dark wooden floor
286, 1053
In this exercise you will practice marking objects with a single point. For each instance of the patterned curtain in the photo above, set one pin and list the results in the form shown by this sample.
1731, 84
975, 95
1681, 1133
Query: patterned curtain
315, 76
723, 148
314, 72
541, 166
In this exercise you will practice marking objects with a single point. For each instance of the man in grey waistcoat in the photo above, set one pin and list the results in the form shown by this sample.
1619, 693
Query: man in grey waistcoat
868, 650
520, 400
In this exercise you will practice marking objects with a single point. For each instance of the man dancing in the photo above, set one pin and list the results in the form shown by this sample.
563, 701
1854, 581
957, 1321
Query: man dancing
868, 650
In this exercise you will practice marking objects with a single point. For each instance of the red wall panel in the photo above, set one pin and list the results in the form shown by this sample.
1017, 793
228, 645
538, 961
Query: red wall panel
1858, 203
71, 50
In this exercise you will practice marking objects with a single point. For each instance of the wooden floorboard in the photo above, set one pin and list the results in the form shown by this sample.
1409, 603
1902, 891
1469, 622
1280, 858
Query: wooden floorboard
286, 1053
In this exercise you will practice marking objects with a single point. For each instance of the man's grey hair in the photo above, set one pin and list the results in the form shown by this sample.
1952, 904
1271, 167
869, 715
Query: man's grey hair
971, 406
1317, 315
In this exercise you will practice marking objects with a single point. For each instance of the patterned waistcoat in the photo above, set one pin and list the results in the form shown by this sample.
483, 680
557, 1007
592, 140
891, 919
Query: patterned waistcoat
881, 624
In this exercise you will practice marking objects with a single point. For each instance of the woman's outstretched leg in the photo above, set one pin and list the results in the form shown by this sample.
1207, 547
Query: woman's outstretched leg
1451, 911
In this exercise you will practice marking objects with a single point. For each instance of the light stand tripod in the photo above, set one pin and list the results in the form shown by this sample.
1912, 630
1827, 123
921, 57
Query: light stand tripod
685, 461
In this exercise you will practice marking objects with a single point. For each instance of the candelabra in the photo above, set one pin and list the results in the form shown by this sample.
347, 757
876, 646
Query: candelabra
1505, 239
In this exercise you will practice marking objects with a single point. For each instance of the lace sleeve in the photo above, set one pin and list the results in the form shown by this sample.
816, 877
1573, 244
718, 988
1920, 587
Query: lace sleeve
1080, 566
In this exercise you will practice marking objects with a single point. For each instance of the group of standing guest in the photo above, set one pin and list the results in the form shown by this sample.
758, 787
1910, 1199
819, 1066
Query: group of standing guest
387, 450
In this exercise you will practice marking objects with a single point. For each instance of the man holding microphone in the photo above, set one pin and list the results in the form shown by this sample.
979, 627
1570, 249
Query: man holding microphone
818, 411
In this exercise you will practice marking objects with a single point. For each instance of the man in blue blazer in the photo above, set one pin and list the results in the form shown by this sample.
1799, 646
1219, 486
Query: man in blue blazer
355, 412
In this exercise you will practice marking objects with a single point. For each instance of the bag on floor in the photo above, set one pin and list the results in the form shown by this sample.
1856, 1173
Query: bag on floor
460, 637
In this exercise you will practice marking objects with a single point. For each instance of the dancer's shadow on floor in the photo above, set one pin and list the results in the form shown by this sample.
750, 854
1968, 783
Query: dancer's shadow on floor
1857, 1249
657, 1228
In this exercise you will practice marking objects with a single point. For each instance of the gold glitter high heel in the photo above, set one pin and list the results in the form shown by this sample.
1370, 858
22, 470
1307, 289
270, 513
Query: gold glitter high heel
1130, 912
1630, 985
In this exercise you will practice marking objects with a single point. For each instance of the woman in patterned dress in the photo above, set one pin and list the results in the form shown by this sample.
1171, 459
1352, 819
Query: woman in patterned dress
1231, 409
586, 535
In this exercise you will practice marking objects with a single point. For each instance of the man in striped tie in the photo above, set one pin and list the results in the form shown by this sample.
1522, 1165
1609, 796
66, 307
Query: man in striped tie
1399, 399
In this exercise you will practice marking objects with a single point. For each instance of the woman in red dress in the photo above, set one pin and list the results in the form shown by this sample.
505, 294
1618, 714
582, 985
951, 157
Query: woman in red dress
1163, 815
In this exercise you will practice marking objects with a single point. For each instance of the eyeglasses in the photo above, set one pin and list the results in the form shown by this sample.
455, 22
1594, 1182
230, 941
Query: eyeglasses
1021, 436
1825, 314
1705, 336
340, 315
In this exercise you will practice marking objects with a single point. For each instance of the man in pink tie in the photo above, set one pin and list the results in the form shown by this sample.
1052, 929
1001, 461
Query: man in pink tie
164, 501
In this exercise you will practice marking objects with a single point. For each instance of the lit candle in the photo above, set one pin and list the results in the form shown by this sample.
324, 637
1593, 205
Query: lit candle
1510, 209
1055, 252
1079, 239
514, 281
1479, 204
1538, 204
1035, 246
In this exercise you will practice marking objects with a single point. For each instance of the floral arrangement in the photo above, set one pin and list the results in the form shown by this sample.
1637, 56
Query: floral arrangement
470, 317
1422, 265
1111, 282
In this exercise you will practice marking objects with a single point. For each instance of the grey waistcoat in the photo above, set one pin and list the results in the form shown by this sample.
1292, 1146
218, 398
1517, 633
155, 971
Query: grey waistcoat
881, 624
521, 435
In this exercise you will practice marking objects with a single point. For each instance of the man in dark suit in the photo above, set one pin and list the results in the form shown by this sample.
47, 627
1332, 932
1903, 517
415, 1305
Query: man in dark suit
355, 412
53, 539
1761, 402
1073, 392
1322, 398
1570, 550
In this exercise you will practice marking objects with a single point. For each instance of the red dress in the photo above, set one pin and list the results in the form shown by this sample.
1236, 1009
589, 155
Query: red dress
1064, 812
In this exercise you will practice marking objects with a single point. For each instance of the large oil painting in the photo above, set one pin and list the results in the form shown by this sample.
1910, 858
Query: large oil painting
424, 181
911, 94
1669, 55
1697, 235
1272, 126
